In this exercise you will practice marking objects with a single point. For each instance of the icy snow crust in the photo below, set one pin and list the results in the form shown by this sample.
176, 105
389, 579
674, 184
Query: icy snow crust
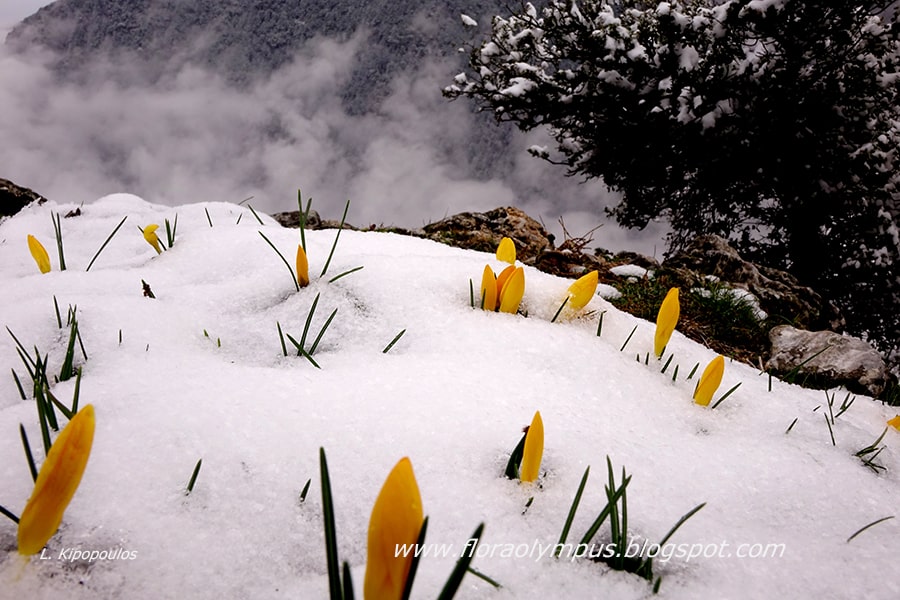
453, 395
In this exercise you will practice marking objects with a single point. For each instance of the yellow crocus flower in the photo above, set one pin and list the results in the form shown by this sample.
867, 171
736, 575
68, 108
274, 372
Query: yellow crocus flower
302, 267
39, 253
709, 381
151, 237
488, 289
512, 291
506, 251
581, 292
666, 320
534, 450
56, 482
895, 422
396, 519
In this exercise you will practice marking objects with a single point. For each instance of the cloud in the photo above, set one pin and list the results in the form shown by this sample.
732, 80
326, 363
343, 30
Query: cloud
194, 137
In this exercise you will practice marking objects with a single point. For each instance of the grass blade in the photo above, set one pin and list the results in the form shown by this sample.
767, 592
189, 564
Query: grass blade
484, 577
628, 339
19, 385
315, 344
208, 218
114, 232
393, 341
309, 318
515, 459
345, 273
305, 490
255, 215
559, 310
872, 524
283, 259
57, 230
572, 510
601, 518
680, 522
726, 394
281, 338
348, 583
9, 515
331, 550
414, 563
190, 485
462, 565
28, 456
336, 237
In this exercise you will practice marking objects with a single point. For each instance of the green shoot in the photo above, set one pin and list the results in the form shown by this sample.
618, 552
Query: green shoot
170, 231
628, 339
393, 341
791, 426
315, 344
56, 308
331, 549
304, 491
414, 562
666, 366
347, 582
283, 259
28, 456
19, 385
77, 391
190, 485
57, 230
830, 431
484, 577
309, 318
675, 374
9, 515
515, 459
208, 218
572, 509
345, 273
560, 309
471, 294
304, 216
600, 324
462, 565
255, 215
726, 394
872, 524
868, 454
114, 232
240, 216
694, 370
336, 237
281, 338
792, 375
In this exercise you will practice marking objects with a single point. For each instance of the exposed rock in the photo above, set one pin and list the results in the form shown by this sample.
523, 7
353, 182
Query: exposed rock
14, 198
780, 294
841, 360
483, 231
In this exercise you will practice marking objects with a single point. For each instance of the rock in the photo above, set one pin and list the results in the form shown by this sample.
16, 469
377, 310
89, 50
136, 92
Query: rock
842, 360
780, 294
483, 231
14, 198
291, 219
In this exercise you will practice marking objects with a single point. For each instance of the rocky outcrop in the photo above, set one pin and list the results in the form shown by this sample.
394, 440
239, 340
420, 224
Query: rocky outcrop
825, 359
14, 198
780, 294
483, 231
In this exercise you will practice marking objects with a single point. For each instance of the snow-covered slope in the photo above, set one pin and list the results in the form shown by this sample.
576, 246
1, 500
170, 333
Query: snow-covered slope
453, 394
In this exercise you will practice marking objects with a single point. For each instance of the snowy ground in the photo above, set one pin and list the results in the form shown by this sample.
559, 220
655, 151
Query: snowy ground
453, 395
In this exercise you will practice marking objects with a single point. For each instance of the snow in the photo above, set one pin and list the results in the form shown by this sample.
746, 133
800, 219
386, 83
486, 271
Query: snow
452, 394
631, 271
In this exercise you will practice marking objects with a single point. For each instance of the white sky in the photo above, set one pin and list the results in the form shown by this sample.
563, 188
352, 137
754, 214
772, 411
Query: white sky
13, 11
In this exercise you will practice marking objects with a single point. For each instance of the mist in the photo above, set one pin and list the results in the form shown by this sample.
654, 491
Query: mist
193, 137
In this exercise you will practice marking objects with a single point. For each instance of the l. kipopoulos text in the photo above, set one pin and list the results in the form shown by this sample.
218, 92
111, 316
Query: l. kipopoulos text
82, 555
634, 549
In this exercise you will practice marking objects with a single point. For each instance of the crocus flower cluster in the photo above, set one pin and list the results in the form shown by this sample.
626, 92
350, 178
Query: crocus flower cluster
503, 292
39, 253
56, 482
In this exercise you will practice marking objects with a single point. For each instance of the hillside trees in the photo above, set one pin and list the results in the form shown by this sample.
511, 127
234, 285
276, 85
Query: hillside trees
774, 123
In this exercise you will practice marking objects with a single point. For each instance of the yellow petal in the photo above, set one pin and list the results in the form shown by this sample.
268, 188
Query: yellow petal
396, 519
302, 267
56, 482
895, 422
581, 292
488, 293
534, 450
506, 251
709, 381
151, 237
666, 320
512, 292
39, 253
